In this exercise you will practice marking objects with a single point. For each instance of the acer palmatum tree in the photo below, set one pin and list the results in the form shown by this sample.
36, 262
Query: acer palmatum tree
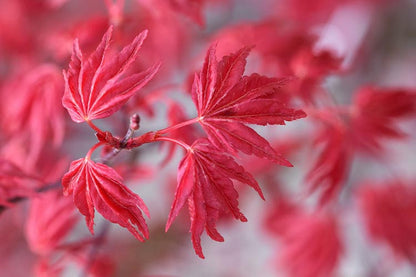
182, 96
225, 100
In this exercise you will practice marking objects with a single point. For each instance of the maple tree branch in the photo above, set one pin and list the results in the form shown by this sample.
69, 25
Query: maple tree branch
128, 142
133, 126
95, 248
19, 199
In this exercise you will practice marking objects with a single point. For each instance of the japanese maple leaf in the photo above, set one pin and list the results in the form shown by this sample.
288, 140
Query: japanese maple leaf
94, 87
376, 113
285, 52
190, 8
35, 108
226, 101
389, 210
205, 180
76, 252
330, 168
311, 245
46, 227
97, 186
280, 215
15, 183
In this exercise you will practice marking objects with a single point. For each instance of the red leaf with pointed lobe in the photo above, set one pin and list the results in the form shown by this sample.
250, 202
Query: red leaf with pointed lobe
46, 227
283, 52
280, 215
79, 252
330, 168
15, 183
389, 210
237, 136
97, 186
376, 113
190, 8
94, 88
312, 245
226, 100
44, 267
35, 108
205, 180
193, 9
311, 68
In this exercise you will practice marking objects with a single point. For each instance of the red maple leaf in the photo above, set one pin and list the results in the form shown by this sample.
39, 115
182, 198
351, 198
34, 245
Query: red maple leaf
226, 101
97, 186
389, 210
15, 183
94, 87
190, 8
205, 181
46, 228
376, 113
312, 245
330, 168
35, 108
283, 52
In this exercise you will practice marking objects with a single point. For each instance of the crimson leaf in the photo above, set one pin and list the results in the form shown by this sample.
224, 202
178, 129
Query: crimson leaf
94, 87
205, 180
330, 169
15, 183
97, 186
376, 114
226, 101
46, 228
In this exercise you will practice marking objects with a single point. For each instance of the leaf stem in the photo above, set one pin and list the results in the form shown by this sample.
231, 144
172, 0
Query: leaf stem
98, 144
178, 142
177, 126
93, 126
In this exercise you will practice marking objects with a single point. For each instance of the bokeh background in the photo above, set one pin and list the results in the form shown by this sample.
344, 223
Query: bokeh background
333, 50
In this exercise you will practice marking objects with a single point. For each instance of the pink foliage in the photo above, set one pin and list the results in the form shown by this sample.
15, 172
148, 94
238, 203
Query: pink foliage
97, 186
221, 94
93, 88
388, 210
312, 245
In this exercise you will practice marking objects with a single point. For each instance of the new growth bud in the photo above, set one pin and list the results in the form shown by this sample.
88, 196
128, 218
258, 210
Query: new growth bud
135, 122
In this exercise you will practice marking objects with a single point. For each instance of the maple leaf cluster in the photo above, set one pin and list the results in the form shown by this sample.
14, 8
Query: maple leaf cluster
118, 114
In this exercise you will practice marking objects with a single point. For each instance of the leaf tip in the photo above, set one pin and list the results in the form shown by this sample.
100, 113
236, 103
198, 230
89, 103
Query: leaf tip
243, 218
283, 162
108, 33
301, 114
169, 223
90, 224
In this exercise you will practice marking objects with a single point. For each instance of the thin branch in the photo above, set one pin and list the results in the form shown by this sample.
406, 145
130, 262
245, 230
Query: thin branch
18, 199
